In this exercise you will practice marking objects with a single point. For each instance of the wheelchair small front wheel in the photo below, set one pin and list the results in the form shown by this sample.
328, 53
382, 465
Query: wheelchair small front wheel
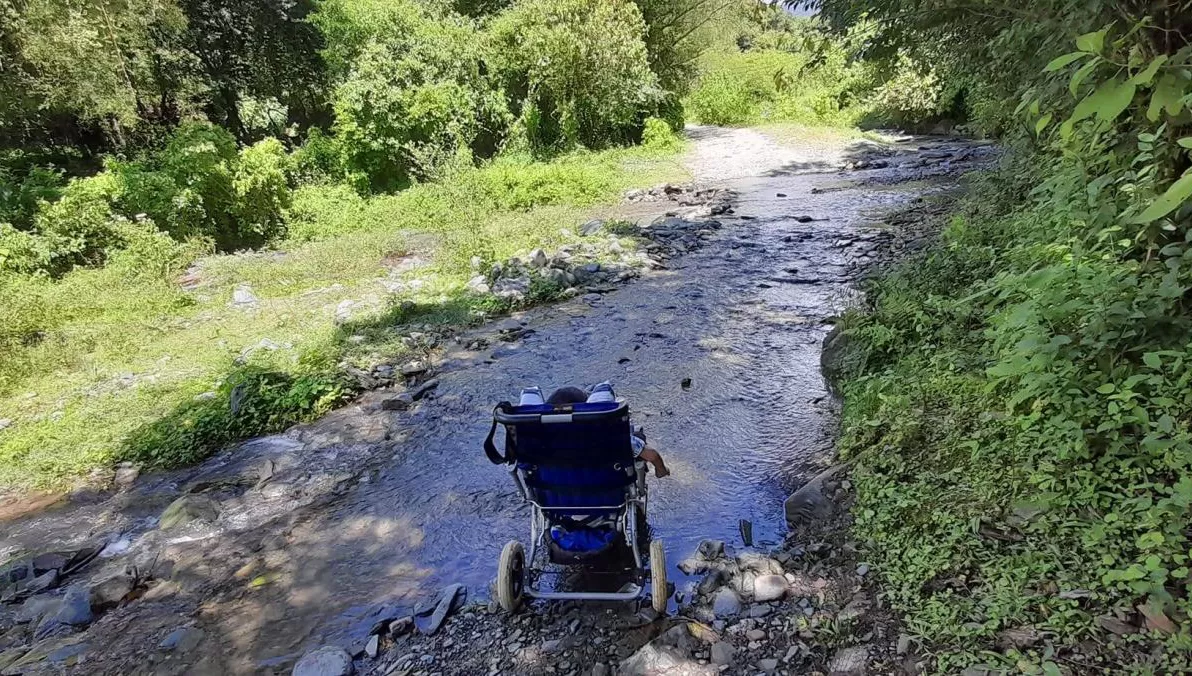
511, 576
659, 589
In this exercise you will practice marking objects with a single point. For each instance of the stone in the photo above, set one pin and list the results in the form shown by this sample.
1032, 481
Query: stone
591, 227
710, 550
904, 644
848, 661
599, 669
654, 658
111, 591
722, 653
183, 639
400, 627
809, 502
767, 665
478, 284
242, 296
126, 474
42, 582
399, 402
726, 603
60, 651
74, 610
326, 661
373, 647
863, 570
756, 634
5, 423
552, 646
189, 509
429, 617
538, 258
769, 588
35, 608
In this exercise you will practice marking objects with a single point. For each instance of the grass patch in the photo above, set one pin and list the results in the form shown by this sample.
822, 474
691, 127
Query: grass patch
1011, 405
105, 365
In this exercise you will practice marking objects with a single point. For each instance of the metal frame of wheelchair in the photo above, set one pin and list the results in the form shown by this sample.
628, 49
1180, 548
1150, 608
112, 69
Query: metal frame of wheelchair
517, 580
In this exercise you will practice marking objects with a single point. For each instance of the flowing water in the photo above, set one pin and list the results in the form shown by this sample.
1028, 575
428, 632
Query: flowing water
739, 322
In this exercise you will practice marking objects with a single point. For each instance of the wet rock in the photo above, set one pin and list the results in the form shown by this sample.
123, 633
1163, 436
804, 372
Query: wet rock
809, 502
424, 389
429, 617
183, 639
398, 402
848, 661
769, 588
726, 603
722, 653
326, 661
189, 509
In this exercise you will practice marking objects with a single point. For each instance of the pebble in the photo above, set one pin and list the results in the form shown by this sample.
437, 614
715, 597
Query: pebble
755, 634
863, 570
721, 653
769, 664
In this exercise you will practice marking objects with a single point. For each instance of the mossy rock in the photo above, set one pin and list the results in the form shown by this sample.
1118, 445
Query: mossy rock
189, 509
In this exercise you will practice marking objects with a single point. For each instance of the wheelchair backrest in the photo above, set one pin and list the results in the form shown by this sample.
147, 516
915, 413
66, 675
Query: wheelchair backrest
578, 455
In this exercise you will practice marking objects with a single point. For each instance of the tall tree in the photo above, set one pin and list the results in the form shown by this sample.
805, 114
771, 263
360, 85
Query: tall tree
258, 48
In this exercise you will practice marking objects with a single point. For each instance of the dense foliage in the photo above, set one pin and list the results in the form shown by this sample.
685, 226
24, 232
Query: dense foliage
1019, 396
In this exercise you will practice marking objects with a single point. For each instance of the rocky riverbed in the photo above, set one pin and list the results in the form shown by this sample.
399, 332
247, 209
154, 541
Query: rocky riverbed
326, 539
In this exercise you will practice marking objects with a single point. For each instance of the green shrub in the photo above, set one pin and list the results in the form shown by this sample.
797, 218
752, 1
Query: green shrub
21, 193
323, 211
262, 192
658, 135
581, 69
250, 402
318, 160
23, 252
80, 227
519, 183
722, 99
415, 97
913, 94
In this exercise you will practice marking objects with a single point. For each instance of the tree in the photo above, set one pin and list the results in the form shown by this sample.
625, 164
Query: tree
580, 70
258, 48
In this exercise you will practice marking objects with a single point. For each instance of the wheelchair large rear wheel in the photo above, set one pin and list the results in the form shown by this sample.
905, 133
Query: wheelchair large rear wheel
659, 588
511, 576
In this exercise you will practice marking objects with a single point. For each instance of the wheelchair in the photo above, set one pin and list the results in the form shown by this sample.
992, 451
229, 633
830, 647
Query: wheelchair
575, 466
